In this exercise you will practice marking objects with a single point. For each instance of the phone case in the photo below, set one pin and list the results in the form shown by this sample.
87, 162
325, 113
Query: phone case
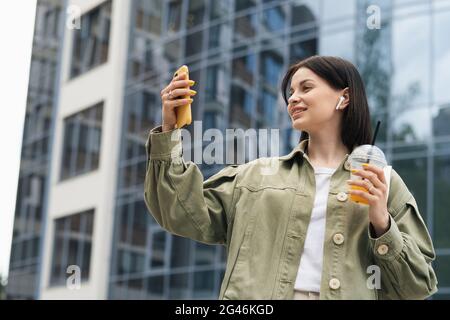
184, 114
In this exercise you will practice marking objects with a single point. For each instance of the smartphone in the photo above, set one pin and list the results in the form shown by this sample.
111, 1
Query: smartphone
184, 114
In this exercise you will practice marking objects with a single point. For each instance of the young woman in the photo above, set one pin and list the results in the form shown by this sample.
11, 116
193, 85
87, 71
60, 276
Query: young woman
295, 234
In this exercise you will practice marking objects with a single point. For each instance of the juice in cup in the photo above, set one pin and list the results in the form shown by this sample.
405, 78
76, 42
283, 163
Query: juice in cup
364, 154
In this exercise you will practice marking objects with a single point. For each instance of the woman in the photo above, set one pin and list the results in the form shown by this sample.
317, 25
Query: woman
296, 234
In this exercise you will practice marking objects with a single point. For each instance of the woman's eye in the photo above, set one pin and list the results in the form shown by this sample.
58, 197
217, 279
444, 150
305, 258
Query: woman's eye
306, 89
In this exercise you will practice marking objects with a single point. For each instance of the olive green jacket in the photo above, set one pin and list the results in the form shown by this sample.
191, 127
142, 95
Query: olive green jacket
262, 220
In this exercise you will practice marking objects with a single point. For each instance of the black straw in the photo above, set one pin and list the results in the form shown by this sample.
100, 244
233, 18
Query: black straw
376, 132
373, 140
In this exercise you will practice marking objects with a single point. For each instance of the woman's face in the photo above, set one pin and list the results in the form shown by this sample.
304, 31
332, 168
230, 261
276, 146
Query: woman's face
312, 102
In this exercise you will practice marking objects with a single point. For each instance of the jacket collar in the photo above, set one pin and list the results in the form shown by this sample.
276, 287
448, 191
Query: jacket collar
299, 151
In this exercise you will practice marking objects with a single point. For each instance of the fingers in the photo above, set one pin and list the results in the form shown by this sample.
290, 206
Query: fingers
366, 185
178, 93
378, 171
183, 92
177, 103
371, 176
174, 84
371, 199
181, 76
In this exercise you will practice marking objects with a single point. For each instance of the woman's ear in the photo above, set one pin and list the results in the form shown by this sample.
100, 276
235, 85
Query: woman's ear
346, 95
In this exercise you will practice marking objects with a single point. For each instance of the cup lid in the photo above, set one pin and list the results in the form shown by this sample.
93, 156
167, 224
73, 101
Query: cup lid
368, 152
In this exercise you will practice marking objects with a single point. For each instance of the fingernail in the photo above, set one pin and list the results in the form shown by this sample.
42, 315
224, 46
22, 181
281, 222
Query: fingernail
190, 100
193, 92
191, 82
354, 170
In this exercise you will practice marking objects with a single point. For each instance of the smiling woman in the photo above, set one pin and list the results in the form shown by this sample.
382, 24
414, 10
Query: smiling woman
317, 83
295, 233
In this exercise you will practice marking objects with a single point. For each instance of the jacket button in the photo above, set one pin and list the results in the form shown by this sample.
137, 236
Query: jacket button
347, 165
382, 249
342, 196
338, 238
334, 284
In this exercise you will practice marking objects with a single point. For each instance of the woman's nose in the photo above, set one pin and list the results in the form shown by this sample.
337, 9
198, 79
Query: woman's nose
292, 99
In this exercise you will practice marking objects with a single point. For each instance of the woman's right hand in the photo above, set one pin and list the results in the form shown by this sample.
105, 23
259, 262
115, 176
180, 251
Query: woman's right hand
179, 86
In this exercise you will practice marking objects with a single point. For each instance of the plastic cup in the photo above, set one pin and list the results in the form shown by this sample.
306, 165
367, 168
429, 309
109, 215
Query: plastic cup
364, 154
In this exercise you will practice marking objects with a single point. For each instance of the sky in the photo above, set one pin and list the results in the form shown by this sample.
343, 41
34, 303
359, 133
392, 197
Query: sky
16, 31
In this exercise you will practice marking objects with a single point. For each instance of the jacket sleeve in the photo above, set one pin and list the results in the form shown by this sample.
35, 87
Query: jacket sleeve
178, 198
405, 252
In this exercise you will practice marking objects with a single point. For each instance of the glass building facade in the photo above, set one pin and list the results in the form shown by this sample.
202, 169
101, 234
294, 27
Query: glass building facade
237, 52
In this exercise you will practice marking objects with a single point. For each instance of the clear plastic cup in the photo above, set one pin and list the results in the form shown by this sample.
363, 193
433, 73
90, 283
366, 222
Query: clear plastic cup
365, 153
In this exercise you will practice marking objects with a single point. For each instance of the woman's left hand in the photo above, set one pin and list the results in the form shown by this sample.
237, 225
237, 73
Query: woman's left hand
376, 196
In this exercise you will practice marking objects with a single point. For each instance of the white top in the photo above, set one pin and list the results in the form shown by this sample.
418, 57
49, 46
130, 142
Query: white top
310, 271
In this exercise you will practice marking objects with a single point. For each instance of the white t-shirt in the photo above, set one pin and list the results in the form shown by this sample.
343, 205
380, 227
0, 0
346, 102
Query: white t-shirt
310, 270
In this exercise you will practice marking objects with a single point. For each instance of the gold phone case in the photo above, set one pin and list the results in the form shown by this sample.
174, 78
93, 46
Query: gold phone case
184, 114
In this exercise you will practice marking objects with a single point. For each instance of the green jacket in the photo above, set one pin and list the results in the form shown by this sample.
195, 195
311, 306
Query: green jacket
262, 220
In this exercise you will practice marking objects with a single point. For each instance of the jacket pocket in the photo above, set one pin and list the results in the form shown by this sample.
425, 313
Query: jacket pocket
266, 214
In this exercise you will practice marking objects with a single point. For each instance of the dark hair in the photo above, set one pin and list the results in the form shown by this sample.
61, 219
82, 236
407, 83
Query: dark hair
339, 74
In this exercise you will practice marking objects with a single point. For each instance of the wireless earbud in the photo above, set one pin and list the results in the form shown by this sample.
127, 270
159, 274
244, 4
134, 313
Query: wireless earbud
341, 99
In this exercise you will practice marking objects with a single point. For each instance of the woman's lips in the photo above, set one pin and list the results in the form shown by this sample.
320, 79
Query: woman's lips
297, 114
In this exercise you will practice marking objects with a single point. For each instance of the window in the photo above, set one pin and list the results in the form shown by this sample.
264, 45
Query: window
414, 174
148, 16
158, 249
245, 27
204, 284
441, 55
72, 244
244, 68
219, 9
91, 40
217, 80
241, 106
442, 268
179, 286
411, 76
174, 16
82, 137
299, 50
155, 287
194, 43
196, 13
274, 19
204, 254
441, 119
441, 201
412, 127
269, 103
244, 5
181, 252
271, 65
220, 36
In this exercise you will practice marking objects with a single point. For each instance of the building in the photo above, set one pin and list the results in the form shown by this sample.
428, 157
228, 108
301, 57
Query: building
107, 84
29, 220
